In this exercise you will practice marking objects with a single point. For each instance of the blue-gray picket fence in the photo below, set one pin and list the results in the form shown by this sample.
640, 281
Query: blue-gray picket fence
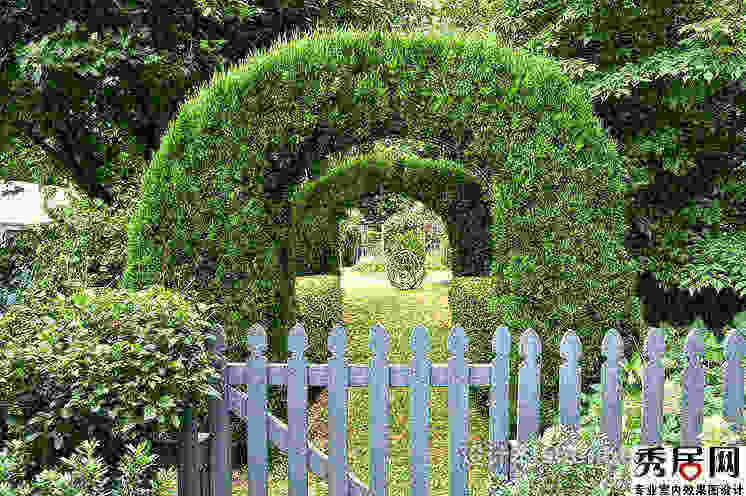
419, 376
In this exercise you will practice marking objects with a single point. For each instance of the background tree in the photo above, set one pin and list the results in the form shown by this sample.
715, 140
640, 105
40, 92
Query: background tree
67, 67
665, 77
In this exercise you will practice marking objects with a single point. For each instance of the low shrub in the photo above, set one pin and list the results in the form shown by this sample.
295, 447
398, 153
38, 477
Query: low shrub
89, 475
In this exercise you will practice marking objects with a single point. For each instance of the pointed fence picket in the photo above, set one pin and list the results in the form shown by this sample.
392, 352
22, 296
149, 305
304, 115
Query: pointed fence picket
420, 376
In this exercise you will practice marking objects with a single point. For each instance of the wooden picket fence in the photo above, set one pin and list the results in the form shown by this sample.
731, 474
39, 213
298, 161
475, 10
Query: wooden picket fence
207, 471
419, 377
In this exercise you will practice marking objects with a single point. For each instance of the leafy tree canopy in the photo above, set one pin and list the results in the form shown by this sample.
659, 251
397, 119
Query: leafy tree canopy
73, 74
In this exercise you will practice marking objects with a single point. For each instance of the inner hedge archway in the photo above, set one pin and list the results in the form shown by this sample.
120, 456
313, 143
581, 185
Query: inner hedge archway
436, 184
468, 205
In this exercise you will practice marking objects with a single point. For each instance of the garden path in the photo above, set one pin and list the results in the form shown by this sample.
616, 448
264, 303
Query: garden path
352, 279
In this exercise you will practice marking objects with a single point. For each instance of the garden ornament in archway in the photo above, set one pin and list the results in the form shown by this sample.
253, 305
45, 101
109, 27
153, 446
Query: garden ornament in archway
404, 270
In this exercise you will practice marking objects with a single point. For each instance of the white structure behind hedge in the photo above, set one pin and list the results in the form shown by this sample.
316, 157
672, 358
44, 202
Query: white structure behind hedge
21, 206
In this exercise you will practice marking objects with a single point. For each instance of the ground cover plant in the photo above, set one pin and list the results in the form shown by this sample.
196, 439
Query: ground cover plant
88, 477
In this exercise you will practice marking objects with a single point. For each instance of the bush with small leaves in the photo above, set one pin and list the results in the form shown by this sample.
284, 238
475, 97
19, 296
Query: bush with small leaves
108, 364
89, 475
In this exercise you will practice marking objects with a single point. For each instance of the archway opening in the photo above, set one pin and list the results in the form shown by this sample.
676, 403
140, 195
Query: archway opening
360, 268
362, 240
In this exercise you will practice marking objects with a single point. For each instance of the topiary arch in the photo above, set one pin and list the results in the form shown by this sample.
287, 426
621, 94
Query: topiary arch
220, 184
435, 183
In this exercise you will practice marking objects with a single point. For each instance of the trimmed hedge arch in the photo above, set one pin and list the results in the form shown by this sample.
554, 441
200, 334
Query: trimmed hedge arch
553, 181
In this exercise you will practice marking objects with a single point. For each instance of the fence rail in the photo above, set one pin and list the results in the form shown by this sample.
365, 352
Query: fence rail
419, 376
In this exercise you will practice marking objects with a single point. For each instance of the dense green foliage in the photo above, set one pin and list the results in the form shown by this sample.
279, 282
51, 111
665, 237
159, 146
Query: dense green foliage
411, 240
710, 51
653, 69
78, 354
